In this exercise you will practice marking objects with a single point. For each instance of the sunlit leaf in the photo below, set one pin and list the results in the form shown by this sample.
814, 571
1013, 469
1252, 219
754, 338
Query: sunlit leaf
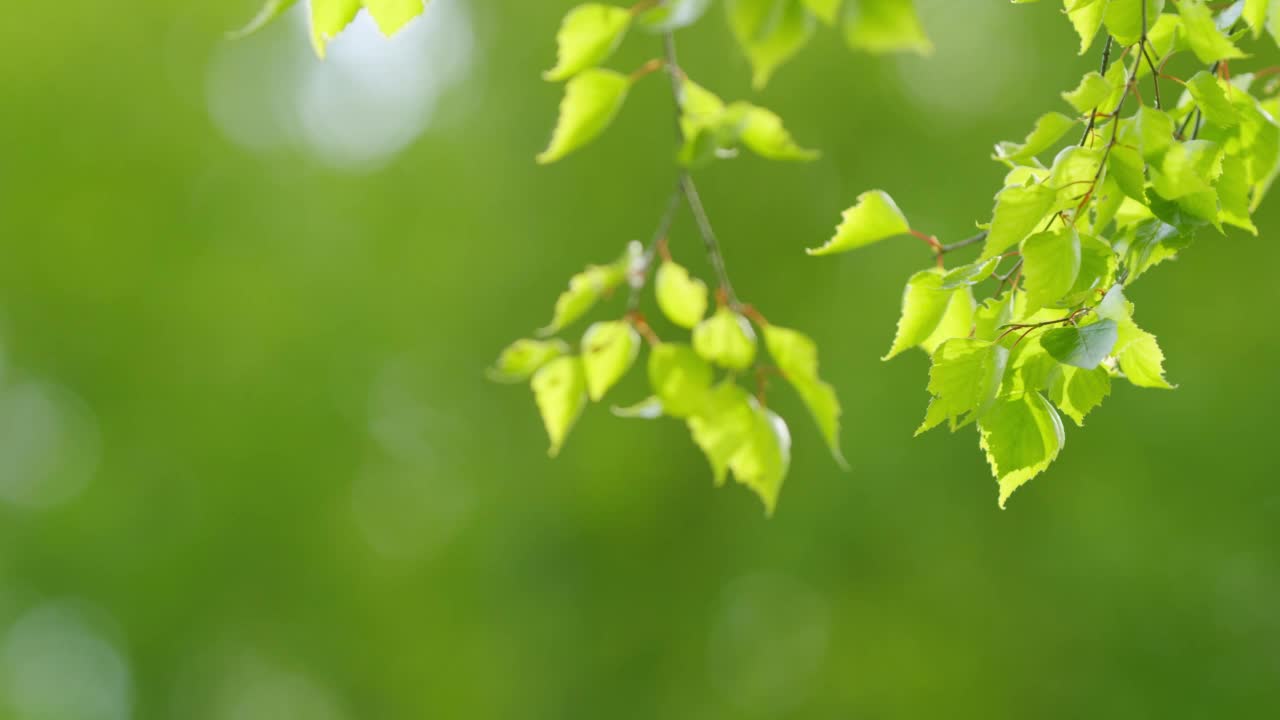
924, 303
722, 426
796, 356
873, 218
679, 377
885, 26
964, 379
560, 391
1202, 33
1051, 263
770, 32
683, 299
1019, 212
588, 35
761, 463
1021, 436
1083, 347
592, 99
523, 358
608, 350
726, 339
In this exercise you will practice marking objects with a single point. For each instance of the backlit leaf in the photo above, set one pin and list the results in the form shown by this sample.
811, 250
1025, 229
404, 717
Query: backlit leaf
679, 378
560, 391
797, 359
873, 218
588, 35
1021, 436
726, 339
683, 299
608, 350
523, 358
592, 99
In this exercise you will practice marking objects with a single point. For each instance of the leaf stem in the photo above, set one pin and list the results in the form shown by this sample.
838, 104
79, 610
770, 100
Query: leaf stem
689, 188
640, 274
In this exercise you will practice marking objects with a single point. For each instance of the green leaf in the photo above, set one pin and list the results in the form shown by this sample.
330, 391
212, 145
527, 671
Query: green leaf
1187, 168
1051, 263
765, 136
1090, 93
1086, 18
824, 10
873, 218
722, 426
1018, 212
993, 314
1048, 131
1077, 392
271, 10
1207, 42
683, 299
330, 17
1255, 14
1083, 347
679, 378
1113, 306
523, 358
726, 339
673, 15
770, 32
1211, 97
885, 26
924, 303
648, 409
608, 351
1150, 130
588, 35
1097, 270
969, 275
1128, 170
560, 391
1021, 436
1140, 357
957, 320
1124, 18
796, 356
964, 379
585, 289
591, 101
761, 464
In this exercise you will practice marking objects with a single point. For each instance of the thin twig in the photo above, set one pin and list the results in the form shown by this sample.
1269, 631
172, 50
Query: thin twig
689, 187
1106, 64
641, 272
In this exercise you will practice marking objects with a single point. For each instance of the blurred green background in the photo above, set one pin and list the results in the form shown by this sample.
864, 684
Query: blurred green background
250, 466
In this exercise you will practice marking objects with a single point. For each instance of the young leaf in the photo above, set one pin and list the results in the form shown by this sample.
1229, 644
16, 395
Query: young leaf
1083, 347
1092, 91
796, 356
523, 358
1021, 436
761, 464
726, 339
1051, 263
608, 350
764, 135
722, 426
824, 10
957, 320
1124, 18
588, 36
1207, 42
683, 299
873, 218
1140, 357
964, 379
1077, 392
1086, 18
770, 32
923, 305
560, 391
585, 289
1048, 131
1255, 15
330, 17
679, 378
1018, 212
969, 275
1211, 98
885, 26
591, 101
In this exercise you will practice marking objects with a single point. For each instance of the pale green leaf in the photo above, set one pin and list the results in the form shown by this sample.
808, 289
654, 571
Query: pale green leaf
885, 26
1140, 357
726, 339
957, 320
1077, 392
1086, 18
585, 289
330, 17
1207, 42
1084, 347
592, 99
924, 304
761, 463
1051, 263
873, 218
1019, 212
770, 32
1187, 168
824, 10
523, 358
764, 134
1255, 14
1021, 436
683, 299
608, 351
964, 379
1123, 18
1048, 130
1210, 96
588, 35
560, 391
1092, 91
679, 378
723, 425
796, 357
968, 275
